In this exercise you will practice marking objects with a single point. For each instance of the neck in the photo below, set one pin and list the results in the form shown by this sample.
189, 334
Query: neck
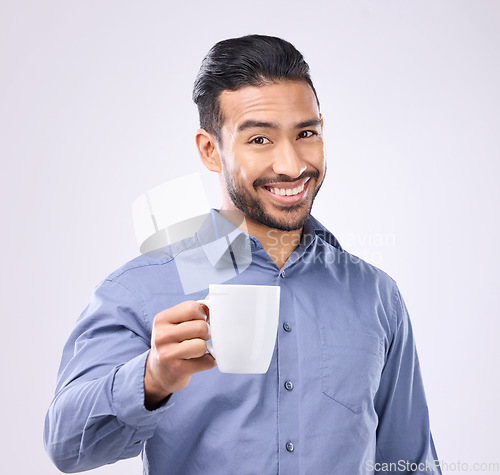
279, 245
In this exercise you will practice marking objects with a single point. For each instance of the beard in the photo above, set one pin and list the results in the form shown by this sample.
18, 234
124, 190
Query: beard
291, 217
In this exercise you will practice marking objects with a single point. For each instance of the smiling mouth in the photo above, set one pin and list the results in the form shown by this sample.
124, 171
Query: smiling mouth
286, 191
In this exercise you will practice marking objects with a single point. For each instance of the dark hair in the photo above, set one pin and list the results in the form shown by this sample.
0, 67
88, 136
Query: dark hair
253, 60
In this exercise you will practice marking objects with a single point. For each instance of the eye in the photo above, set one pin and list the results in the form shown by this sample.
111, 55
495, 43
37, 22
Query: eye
306, 134
260, 140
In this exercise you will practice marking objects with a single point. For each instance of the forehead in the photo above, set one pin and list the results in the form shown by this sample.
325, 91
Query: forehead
284, 103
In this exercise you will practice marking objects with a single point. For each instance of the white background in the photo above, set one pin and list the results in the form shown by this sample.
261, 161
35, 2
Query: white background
96, 109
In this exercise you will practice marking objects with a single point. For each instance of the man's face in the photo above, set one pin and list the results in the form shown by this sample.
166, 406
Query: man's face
272, 153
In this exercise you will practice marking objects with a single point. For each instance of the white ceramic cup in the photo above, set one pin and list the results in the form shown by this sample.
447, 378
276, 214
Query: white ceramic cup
243, 325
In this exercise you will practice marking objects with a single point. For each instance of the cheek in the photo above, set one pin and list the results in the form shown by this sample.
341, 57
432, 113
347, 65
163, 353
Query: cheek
320, 159
322, 164
315, 158
245, 173
245, 176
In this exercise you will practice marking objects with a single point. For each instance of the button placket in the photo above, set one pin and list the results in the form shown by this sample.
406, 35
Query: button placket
289, 396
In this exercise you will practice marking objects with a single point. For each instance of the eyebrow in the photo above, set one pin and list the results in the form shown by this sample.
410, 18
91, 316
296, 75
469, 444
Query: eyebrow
308, 123
251, 124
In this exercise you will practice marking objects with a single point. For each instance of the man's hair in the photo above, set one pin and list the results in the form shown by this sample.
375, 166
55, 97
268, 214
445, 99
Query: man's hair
253, 60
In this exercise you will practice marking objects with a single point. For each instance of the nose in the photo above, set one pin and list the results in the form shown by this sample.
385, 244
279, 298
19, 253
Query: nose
288, 161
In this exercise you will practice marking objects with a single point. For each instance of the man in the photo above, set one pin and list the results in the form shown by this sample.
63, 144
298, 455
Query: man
343, 394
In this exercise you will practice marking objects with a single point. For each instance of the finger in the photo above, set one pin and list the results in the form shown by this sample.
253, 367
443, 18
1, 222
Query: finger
175, 333
196, 365
183, 312
190, 330
185, 350
206, 310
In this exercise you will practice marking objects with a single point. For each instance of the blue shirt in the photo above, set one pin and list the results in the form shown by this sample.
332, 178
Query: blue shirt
343, 394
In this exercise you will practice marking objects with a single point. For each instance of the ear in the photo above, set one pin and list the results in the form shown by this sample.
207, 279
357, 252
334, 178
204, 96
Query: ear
208, 150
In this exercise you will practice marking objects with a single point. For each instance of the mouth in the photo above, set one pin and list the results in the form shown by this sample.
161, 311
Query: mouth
287, 193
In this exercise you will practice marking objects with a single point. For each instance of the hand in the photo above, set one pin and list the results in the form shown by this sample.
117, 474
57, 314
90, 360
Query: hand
178, 350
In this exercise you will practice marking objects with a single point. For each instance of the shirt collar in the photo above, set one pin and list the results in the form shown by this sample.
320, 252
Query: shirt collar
314, 228
218, 236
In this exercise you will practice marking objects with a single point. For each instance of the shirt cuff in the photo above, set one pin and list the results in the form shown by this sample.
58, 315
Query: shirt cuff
128, 395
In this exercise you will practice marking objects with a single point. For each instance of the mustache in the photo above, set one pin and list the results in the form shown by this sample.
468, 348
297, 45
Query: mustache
285, 178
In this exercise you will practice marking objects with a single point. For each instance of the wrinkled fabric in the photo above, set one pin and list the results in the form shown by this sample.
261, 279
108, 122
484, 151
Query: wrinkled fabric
343, 394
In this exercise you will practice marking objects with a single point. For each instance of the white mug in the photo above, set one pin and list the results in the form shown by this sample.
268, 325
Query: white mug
243, 325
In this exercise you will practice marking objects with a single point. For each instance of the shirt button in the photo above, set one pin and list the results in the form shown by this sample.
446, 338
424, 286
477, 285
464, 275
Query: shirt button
289, 446
288, 385
282, 274
287, 327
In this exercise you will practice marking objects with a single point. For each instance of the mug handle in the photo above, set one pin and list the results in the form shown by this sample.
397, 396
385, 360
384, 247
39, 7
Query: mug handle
210, 347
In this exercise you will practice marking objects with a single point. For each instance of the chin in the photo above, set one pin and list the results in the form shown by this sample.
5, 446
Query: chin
286, 220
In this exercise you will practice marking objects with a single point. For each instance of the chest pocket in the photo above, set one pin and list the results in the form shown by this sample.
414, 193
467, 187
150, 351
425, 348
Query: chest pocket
352, 363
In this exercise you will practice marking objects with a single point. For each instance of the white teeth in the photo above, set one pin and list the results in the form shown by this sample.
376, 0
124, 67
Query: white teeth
287, 191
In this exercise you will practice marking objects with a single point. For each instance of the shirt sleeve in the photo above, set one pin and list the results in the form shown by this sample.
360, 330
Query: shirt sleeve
404, 439
98, 415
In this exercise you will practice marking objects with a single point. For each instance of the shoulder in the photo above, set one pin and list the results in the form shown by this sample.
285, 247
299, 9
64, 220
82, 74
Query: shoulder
349, 267
153, 268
